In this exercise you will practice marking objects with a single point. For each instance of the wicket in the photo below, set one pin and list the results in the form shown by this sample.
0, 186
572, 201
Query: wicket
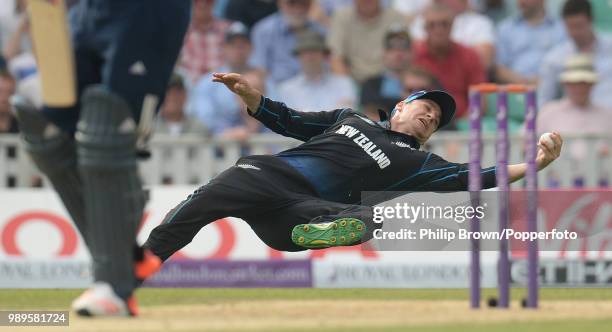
502, 150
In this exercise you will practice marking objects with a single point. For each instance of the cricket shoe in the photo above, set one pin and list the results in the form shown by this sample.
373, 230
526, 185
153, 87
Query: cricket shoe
339, 232
101, 301
146, 264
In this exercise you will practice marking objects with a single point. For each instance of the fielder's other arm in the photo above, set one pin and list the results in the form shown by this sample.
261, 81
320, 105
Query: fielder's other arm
277, 116
546, 155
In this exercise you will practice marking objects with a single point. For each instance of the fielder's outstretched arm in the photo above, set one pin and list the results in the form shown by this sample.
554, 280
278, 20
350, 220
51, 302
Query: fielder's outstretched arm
437, 174
276, 115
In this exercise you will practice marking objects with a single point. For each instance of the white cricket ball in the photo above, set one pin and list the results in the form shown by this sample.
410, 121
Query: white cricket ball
547, 140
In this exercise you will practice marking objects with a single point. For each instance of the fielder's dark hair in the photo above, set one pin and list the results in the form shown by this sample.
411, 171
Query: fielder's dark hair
577, 7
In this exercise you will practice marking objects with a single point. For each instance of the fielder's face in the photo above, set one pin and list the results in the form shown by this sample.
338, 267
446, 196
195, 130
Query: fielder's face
419, 118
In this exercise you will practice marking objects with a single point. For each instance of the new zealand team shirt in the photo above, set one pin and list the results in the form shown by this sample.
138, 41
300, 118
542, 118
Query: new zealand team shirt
345, 153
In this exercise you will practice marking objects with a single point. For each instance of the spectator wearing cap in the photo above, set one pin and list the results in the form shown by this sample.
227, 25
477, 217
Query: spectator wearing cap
315, 87
356, 38
470, 29
575, 112
454, 65
172, 119
274, 39
385, 90
201, 51
523, 40
578, 19
214, 105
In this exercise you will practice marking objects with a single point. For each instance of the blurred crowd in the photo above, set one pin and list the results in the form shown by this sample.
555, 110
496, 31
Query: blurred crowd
368, 54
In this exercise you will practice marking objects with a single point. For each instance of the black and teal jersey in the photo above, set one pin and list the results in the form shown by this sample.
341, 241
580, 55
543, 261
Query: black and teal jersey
344, 153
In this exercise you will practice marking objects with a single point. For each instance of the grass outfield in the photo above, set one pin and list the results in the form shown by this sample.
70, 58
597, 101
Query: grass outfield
325, 310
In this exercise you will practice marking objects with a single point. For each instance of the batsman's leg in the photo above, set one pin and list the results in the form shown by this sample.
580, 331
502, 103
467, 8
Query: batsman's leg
113, 194
54, 153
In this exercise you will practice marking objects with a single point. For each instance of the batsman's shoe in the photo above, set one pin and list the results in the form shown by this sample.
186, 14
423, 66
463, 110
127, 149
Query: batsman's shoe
339, 232
147, 266
101, 301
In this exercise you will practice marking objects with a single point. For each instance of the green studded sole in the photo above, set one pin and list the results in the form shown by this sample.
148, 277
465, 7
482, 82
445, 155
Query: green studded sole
340, 232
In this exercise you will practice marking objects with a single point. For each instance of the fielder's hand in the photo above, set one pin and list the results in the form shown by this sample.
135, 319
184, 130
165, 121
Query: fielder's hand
235, 82
547, 153
240, 86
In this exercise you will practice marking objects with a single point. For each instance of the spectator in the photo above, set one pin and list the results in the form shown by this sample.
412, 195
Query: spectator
274, 40
575, 113
202, 48
410, 9
215, 106
417, 79
578, 19
8, 123
172, 119
469, 28
385, 90
356, 38
322, 11
315, 88
523, 40
454, 65
13, 33
21, 63
249, 12
496, 10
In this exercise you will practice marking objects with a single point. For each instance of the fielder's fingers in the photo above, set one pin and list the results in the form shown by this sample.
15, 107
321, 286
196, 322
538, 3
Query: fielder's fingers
545, 143
547, 151
553, 153
218, 76
231, 76
217, 79
547, 157
557, 139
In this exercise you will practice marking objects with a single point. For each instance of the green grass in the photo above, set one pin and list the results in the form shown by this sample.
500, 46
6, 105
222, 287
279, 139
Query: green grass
56, 299
61, 298
554, 326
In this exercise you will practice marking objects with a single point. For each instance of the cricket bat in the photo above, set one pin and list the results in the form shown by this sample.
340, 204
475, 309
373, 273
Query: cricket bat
53, 51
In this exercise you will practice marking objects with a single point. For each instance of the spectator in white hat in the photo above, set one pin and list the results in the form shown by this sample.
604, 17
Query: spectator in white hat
575, 113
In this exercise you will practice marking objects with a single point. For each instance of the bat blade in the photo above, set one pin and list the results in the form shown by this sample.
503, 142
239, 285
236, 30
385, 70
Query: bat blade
53, 50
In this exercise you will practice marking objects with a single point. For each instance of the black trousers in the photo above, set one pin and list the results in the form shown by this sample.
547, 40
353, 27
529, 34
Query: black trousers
270, 195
